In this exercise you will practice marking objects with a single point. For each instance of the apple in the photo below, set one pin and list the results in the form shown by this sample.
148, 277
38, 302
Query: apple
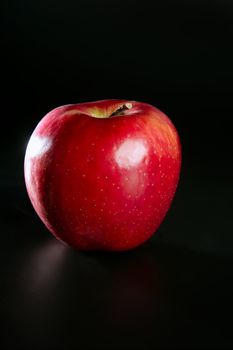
102, 175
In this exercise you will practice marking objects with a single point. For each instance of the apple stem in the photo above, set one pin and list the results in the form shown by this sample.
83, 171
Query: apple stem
121, 109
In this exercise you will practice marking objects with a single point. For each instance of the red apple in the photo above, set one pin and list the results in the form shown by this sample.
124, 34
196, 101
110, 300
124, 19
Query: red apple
102, 175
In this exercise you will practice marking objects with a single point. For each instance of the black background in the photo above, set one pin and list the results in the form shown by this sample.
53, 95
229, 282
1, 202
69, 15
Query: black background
176, 289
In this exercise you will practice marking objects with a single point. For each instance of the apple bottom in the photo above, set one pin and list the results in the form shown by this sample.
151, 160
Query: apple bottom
115, 236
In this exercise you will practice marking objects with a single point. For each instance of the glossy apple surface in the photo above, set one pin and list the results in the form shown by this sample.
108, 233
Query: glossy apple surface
102, 175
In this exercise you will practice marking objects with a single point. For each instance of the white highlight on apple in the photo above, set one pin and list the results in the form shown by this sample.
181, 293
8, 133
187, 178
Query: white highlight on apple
38, 145
130, 153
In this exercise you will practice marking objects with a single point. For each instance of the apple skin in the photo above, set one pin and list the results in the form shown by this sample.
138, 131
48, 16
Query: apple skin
101, 180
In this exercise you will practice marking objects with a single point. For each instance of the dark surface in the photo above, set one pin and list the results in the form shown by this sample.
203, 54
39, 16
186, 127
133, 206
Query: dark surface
176, 290
159, 295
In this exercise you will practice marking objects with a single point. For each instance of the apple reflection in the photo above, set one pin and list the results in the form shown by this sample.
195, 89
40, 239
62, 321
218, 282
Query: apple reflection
84, 292
43, 269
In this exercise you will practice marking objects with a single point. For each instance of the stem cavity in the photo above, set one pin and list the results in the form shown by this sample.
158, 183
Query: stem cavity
121, 109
